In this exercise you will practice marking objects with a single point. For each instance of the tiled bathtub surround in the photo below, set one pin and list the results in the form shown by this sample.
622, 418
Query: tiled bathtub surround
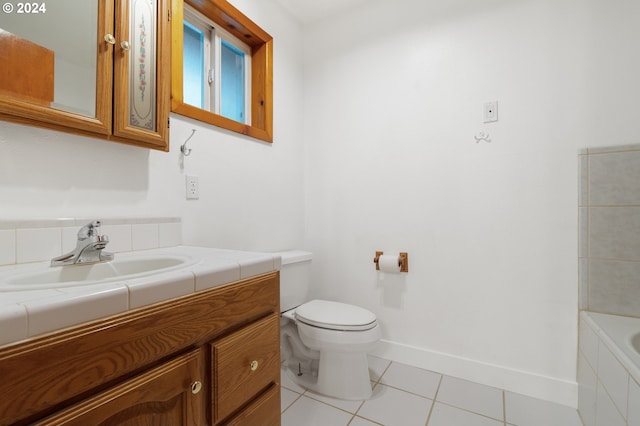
610, 230
609, 394
41, 240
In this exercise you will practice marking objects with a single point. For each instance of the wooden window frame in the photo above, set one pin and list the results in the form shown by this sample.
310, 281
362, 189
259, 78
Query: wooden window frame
261, 43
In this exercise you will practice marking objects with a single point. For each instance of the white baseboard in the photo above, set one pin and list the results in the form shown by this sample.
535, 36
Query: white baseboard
535, 385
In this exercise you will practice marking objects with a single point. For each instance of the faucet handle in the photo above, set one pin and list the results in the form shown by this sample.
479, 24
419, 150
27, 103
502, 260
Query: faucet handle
88, 230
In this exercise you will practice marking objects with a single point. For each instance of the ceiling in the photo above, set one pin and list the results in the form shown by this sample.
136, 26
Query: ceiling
312, 10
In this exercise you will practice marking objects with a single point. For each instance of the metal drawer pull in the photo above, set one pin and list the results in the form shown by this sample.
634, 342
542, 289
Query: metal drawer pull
254, 365
196, 387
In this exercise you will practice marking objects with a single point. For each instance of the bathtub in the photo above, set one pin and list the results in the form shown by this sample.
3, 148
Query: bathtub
609, 370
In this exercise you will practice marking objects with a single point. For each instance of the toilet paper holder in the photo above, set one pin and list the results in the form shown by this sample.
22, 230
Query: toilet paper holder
403, 261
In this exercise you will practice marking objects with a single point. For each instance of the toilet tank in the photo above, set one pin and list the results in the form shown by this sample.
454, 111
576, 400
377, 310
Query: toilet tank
295, 278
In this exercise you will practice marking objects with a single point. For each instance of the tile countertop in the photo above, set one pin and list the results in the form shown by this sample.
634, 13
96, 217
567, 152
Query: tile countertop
29, 313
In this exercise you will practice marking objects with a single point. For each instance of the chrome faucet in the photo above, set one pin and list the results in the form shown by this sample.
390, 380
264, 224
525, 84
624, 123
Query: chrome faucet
88, 247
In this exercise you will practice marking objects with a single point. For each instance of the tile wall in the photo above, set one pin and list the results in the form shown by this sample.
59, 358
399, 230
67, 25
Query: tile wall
609, 249
40, 240
608, 395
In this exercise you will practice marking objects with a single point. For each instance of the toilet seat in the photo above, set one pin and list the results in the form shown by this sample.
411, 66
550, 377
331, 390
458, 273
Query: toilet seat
335, 316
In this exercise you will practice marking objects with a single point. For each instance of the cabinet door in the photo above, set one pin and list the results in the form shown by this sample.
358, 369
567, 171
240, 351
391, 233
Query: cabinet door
245, 363
57, 66
171, 394
141, 71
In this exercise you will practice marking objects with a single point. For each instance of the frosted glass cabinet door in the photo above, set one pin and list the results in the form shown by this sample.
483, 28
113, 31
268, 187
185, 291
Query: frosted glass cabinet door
141, 84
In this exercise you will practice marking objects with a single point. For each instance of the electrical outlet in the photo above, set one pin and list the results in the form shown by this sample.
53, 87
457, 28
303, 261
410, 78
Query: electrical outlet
193, 190
491, 112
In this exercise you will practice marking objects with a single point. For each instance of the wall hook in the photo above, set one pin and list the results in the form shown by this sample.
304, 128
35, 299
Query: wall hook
183, 147
482, 136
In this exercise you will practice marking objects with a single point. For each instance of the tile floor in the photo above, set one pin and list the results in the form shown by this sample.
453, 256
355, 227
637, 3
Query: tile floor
405, 395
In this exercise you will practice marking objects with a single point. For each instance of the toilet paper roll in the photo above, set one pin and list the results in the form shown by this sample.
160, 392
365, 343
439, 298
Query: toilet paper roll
389, 263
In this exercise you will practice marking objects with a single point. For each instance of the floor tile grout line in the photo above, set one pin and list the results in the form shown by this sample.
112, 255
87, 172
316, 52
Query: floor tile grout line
383, 373
404, 390
376, 383
472, 412
433, 402
365, 418
328, 404
292, 402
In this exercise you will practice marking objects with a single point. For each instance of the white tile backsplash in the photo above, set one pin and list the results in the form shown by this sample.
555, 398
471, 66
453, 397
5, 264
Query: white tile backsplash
144, 236
38, 244
7, 246
26, 241
169, 234
69, 238
119, 238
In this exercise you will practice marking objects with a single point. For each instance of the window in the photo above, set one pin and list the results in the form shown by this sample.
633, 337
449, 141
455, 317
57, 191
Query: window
233, 86
216, 69
193, 66
222, 67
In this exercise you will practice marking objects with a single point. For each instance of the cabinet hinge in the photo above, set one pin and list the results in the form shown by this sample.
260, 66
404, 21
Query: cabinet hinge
169, 15
168, 123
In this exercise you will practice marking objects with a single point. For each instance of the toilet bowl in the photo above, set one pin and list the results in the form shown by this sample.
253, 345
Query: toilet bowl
324, 344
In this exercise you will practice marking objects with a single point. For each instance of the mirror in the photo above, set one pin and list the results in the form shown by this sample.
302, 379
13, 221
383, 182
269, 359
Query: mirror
62, 38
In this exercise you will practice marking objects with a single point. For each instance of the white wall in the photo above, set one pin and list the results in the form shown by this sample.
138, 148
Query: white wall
250, 192
393, 98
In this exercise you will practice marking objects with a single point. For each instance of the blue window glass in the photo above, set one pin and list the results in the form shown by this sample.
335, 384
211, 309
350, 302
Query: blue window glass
232, 88
193, 66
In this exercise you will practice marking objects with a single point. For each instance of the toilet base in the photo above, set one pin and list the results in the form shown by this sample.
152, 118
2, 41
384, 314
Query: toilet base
342, 375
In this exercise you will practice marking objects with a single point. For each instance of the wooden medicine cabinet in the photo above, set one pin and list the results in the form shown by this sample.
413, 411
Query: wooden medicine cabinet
98, 68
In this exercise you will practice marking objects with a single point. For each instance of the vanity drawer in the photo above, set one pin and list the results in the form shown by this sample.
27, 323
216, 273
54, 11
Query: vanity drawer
244, 364
264, 411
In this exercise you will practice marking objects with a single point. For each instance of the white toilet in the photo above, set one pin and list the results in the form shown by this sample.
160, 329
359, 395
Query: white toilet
324, 344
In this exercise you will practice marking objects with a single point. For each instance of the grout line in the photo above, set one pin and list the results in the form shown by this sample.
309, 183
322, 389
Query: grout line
469, 411
365, 418
504, 408
385, 370
292, 402
403, 390
433, 402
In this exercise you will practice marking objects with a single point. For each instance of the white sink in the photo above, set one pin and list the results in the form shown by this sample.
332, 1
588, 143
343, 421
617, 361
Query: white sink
121, 268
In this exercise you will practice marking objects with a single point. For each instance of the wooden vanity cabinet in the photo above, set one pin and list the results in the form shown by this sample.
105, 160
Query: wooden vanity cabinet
210, 358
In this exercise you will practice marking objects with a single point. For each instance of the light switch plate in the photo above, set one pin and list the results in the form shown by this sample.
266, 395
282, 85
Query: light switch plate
491, 112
